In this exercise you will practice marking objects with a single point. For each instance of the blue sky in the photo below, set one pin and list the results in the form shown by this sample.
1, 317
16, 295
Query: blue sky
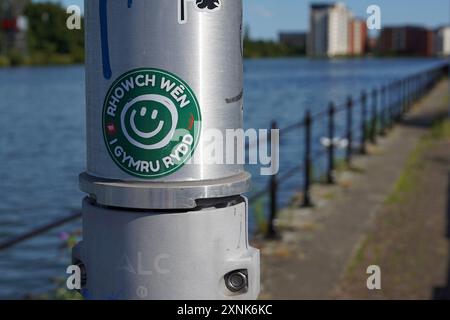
267, 17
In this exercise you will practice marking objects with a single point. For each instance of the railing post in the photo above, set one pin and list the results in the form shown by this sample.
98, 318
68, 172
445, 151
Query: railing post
408, 94
383, 122
391, 102
363, 122
406, 100
307, 161
424, 83
411, 93
420, 86
399, 106
374, 116
271, 232
349, 131
403, 98
331, 129
416, 88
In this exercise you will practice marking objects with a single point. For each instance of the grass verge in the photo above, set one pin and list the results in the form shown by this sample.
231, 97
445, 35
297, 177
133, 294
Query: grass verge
407, 181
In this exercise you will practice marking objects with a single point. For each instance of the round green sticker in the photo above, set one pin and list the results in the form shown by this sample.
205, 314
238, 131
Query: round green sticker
151, 122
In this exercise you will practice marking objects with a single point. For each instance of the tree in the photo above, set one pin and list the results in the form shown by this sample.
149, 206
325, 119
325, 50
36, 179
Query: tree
48, 33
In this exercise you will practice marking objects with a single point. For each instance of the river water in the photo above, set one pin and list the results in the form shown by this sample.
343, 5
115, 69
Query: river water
42, 147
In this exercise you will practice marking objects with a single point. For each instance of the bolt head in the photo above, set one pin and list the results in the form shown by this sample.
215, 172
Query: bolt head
236, 280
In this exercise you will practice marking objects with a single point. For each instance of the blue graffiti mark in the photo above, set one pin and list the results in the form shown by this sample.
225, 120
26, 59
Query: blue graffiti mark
103, 8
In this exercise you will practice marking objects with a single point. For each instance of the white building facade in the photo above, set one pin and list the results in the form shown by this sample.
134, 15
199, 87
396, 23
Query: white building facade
442, 41
338, 30
334, 31
329, 30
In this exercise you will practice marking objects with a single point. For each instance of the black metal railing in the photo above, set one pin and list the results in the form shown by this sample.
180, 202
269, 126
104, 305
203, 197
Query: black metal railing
379, 111
388, 105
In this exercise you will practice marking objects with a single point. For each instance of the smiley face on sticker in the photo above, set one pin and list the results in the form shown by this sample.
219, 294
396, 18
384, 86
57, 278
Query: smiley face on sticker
151, 123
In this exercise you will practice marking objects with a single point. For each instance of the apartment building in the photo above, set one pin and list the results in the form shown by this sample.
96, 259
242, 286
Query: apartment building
406, 40
335, 32
442, 41
358, 37
318, 37
338, 30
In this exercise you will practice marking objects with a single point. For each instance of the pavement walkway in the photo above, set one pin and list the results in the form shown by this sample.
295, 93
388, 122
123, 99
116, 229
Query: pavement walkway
318, 244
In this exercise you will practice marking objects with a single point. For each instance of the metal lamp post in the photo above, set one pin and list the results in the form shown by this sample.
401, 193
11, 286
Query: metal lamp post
160, 221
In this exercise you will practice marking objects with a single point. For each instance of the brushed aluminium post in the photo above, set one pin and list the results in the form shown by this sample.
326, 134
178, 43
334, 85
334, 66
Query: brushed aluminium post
160, 220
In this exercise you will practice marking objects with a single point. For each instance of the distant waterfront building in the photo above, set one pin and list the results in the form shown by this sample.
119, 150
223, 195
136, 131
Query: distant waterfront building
358, 40
296, 39
372, 44
406, 40
442, 41
319, 31
338, 30
13, 25
335, 32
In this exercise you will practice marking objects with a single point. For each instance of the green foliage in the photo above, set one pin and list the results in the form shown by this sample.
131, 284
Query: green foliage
4, 61
48, 32
15, 58
414, 165
48, 38
441, 130
50, 42
266, 49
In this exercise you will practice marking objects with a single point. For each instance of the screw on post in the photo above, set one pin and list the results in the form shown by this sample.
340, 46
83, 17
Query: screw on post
363, 149
331, 147
307, 161
349, 130
237, 280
